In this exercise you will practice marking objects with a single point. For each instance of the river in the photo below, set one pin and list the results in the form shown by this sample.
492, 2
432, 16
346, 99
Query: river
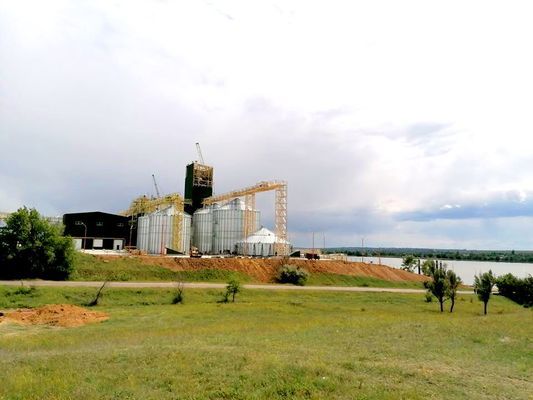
465, 269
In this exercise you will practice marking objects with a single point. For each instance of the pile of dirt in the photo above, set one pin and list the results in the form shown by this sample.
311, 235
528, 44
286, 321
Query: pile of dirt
265, 270
64, 315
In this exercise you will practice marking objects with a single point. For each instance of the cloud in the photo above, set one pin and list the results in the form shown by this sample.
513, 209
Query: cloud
376, 120
508, 204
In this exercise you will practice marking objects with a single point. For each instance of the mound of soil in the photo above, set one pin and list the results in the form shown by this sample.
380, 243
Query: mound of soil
265, 270
65, 315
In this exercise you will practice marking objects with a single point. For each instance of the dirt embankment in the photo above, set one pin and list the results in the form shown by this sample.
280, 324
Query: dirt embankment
265, 270
64, 315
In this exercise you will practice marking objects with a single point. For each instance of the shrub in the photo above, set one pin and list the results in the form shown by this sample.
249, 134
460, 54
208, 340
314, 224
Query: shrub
232, 289
178, 296
516, 289
291, 274
31, 247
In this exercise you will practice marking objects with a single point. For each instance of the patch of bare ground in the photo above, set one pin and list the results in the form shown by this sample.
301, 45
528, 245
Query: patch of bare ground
265, 270
63, 315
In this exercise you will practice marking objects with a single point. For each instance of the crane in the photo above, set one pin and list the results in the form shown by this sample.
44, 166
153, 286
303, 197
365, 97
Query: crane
156, 187
199, 150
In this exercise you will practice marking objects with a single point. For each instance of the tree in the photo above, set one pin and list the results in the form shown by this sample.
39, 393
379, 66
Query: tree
31, 247
427, 265
453, 282
438, 285
516, 289
409, 262
483, 284
232, 289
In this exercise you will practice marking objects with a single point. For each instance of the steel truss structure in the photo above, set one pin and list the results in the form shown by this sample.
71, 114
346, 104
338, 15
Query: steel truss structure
249, 193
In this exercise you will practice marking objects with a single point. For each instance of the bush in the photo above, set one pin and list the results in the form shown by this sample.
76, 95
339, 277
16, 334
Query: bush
178, 296
291, 274
31, 247
232, 289
518, 290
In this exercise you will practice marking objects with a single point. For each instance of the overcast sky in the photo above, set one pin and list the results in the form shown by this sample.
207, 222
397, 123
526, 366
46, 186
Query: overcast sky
408, 123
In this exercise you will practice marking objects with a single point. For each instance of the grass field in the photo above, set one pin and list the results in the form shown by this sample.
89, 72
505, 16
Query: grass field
268, 345
91, 268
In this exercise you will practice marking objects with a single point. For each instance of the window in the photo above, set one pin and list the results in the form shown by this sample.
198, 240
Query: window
99, 223
120, 224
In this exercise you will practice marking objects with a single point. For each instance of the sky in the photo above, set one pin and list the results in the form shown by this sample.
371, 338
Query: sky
406, 124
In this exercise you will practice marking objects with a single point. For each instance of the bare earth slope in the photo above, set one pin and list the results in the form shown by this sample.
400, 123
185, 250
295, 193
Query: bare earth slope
265, 270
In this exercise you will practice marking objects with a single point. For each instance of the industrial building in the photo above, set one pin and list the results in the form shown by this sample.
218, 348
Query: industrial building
97, 230
208, 224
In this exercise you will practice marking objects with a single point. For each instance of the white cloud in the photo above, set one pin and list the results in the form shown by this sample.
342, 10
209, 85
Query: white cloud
391, 107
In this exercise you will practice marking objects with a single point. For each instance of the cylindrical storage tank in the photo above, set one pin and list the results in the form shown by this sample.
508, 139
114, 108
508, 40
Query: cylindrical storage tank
143, 224
158, 232
186, 233
202, 224
228, 226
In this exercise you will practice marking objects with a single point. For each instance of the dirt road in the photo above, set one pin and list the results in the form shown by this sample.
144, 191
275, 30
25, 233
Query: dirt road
166, 285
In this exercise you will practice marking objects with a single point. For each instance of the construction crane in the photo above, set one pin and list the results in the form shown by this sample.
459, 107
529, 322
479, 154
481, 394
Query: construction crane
199, 150
156, 188
249, 198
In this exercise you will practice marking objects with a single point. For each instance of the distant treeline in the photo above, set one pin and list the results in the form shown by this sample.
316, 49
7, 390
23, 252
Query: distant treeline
510, 256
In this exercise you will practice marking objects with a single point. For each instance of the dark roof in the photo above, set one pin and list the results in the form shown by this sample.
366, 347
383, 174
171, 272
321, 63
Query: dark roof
94, 213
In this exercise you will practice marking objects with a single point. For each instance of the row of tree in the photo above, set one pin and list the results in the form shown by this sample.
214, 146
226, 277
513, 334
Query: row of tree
510, 256
443, 283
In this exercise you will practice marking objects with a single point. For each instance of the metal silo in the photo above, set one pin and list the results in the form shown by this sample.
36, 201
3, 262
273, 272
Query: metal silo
228, 226
143, 224
157, 231
202, 224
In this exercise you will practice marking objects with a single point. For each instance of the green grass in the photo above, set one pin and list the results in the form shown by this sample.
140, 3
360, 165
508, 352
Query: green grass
327, 279
268, 345
91, 268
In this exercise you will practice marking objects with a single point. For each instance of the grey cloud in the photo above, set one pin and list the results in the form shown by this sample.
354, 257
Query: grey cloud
499, 207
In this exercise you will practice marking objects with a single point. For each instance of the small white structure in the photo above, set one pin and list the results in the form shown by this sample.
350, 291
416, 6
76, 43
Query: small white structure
155, 231
262, 243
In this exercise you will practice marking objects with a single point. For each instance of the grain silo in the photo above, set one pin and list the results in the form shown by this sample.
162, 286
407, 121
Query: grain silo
228, 225
164, 231
202, 229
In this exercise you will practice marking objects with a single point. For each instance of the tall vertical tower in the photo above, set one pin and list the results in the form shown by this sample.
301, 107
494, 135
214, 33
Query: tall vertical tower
198, 186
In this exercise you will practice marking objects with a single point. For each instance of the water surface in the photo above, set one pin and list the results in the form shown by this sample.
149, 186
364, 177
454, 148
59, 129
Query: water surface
465, 269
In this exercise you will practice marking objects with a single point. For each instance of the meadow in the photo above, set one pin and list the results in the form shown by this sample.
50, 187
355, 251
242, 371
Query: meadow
267, 345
